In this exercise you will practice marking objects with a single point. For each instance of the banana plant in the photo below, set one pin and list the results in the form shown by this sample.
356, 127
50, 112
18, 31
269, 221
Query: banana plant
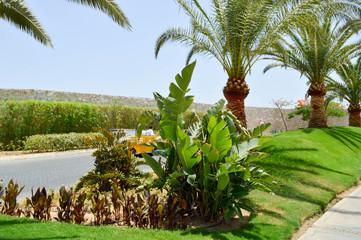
40, 203
9, 198
179, 151
226, 173
2, 191
65, 204
210, 163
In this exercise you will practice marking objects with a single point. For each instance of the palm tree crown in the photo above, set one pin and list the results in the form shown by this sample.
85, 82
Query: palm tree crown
18, 13
237, 33
315, 50
349, 89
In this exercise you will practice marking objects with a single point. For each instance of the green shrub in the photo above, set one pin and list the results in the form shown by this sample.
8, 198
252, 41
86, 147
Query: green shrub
59, 142
332, 109
9, 197
113, 160
19, 119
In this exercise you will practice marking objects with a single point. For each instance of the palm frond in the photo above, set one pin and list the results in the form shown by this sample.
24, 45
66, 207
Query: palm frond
18, 13
109, 7
350, 86
316, 49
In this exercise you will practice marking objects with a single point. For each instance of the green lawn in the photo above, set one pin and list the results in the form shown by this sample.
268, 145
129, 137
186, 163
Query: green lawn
310, 165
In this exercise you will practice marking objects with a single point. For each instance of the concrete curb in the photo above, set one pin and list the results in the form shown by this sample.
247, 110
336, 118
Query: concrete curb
39, 155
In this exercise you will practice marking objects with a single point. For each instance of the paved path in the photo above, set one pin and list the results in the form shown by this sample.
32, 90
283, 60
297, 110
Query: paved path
341, 222
49, 170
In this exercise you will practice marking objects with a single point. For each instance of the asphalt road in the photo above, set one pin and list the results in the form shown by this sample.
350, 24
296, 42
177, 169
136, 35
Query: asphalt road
51, 170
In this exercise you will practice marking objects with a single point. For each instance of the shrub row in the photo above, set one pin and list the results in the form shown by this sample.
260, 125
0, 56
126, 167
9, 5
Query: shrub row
19, 119
130, 209
59, 142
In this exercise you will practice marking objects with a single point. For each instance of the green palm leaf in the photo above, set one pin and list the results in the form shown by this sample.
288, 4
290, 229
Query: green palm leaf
109, 7
18, 13
315, 50
350, 86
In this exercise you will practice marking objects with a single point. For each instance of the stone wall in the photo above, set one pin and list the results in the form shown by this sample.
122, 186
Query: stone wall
272, 115
255, 115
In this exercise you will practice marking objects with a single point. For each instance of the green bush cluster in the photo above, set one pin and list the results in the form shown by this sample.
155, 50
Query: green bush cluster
59, 142
332, 109
113, 160
19, 119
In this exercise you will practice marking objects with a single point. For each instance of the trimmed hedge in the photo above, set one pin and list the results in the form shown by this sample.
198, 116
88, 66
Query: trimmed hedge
60, 142
19, 119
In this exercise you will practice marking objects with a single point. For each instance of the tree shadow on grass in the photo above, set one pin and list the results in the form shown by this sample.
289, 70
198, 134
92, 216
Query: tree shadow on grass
318, 185
272, 214
284, 171
18, 221
277, 149
295, 163
248, 231
295, 194
25, 221
40, 238
294, 168
344, 135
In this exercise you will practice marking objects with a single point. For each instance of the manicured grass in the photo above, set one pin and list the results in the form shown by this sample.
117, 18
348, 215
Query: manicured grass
310, 165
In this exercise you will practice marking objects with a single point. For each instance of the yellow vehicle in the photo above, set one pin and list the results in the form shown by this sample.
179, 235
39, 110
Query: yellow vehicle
137, 144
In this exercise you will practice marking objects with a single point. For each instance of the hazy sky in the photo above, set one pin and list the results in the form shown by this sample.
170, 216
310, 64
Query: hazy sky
92, 54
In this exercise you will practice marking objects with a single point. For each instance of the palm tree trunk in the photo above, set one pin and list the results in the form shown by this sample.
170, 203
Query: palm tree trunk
354, 117
235, 92
317, 115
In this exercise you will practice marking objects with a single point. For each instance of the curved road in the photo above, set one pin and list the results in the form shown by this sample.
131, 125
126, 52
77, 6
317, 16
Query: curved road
49, 170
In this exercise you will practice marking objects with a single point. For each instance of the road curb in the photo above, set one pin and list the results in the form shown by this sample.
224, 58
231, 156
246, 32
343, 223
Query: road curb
39, 155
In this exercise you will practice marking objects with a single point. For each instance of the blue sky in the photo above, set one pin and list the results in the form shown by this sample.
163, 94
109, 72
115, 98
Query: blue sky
92, 54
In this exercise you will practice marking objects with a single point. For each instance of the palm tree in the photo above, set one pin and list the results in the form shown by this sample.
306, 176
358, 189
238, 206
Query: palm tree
349, 89
237, 33
18, 13
316, 50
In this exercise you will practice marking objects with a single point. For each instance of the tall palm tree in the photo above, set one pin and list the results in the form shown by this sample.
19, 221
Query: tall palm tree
237, 33
349, 89
18, 13
315, 50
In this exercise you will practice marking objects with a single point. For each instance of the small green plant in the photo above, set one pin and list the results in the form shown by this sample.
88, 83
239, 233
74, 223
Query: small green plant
10, 194
145, 210
2, 191
100, 207
112, 160
39, 204
65, 204
79, 208
170, 211
116, 199
154, 208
